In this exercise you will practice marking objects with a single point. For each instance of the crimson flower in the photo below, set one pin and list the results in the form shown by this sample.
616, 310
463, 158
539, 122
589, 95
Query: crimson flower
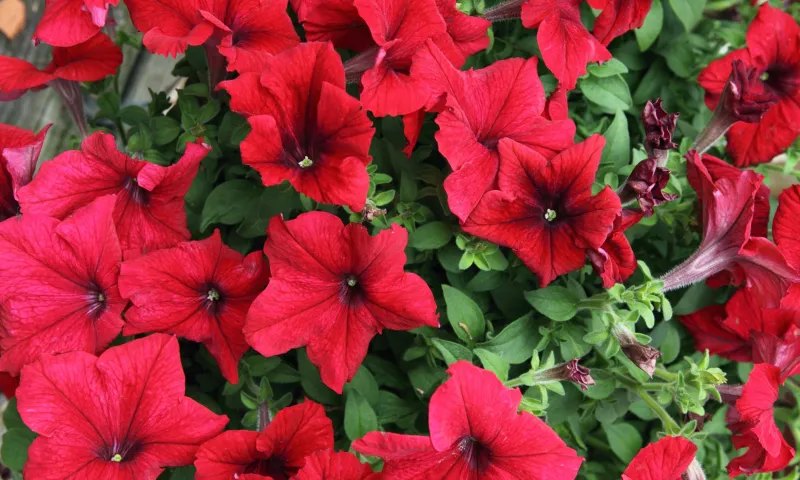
566, 45
205, 303
545, 211
277, 453
729, 251
149, 212
504, 100
614, 261
333, 287
66, 23
245, 32
330, 465
618, 17
475, 432
90, 61
666, 459
785, 227
58, 284
19, 154
729, 330
336, 21
305, 127
119, 416
753, 425
468, 33
770, 67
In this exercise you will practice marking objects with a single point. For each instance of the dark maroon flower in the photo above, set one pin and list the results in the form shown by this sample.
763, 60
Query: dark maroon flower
643, 356
646, 184
659, 127
570, 371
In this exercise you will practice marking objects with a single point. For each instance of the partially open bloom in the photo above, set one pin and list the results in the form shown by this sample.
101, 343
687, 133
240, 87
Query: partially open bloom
305, 127
276, 453
197, 290
19, 154
89, 61
566, 45
245, 32
545, 210
58, 284
666, 459
646, 184
614, 261
659, 126
618, 17
761, 79
475, 431
109, 416
753, 425
729, 247
643, 356
570, 371
729, 330
149, 212
504, 100
65, 23
333, 287
330, 465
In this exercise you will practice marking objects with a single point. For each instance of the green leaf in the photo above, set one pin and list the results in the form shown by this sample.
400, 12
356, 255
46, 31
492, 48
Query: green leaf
233, 129
689, 12
464, 314
624, 440
451, 351
165, 130
671, 344
229, 202
607, 69
14, 452
604, 385
516, 342
617, 152
133, 115
430, 236
359, 417
648, 33
554, 302
609, 93
493, 362
183, 473
259, 366
365, 384
11, 417
312, 383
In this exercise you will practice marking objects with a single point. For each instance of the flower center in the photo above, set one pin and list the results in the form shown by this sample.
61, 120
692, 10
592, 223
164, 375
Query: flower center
138, 194
116, 458
97, 301
273, 467
475, 454
351, 281
782, 80
213, 295
305, 162
550, 215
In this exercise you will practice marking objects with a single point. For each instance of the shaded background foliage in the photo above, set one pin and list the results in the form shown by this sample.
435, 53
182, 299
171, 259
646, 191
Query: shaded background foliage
491, 311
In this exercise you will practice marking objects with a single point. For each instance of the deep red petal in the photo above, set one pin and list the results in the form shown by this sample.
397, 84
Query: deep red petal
295, 433
90, 61
170, 26
20, 151
756, 404
618, 17
666, 459
337, 21
785, 228
330, 465
17, 76
709, 333
65, 23
227, 455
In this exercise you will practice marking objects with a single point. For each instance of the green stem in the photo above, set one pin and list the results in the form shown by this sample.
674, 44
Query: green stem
117, 122
655, 386
670, 425
665, 375
515, 382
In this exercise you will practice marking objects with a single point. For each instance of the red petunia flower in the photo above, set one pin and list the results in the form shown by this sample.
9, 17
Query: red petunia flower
245, 32
666, 459
614, 261
206, 302
475, 429
786, 228
336, 21
277, 453
306, 128
90, 61
19, 154
754, 425
728, 330
66, 23
729, 252
773, 52
119, 416
469, 34
399, 29
149, 213
545, 211
58, 284
504, 100
618, 17
330, 465
333, 287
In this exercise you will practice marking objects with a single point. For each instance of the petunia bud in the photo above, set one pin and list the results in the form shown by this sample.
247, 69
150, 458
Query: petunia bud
644, 356
694, 472
570, 371
71, 95
646, 184
659, 127
744, 99
504, 11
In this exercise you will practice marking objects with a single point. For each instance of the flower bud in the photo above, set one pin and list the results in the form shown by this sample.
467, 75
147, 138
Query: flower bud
570, 371
659, 127
644, 356
694, 472
646, 184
